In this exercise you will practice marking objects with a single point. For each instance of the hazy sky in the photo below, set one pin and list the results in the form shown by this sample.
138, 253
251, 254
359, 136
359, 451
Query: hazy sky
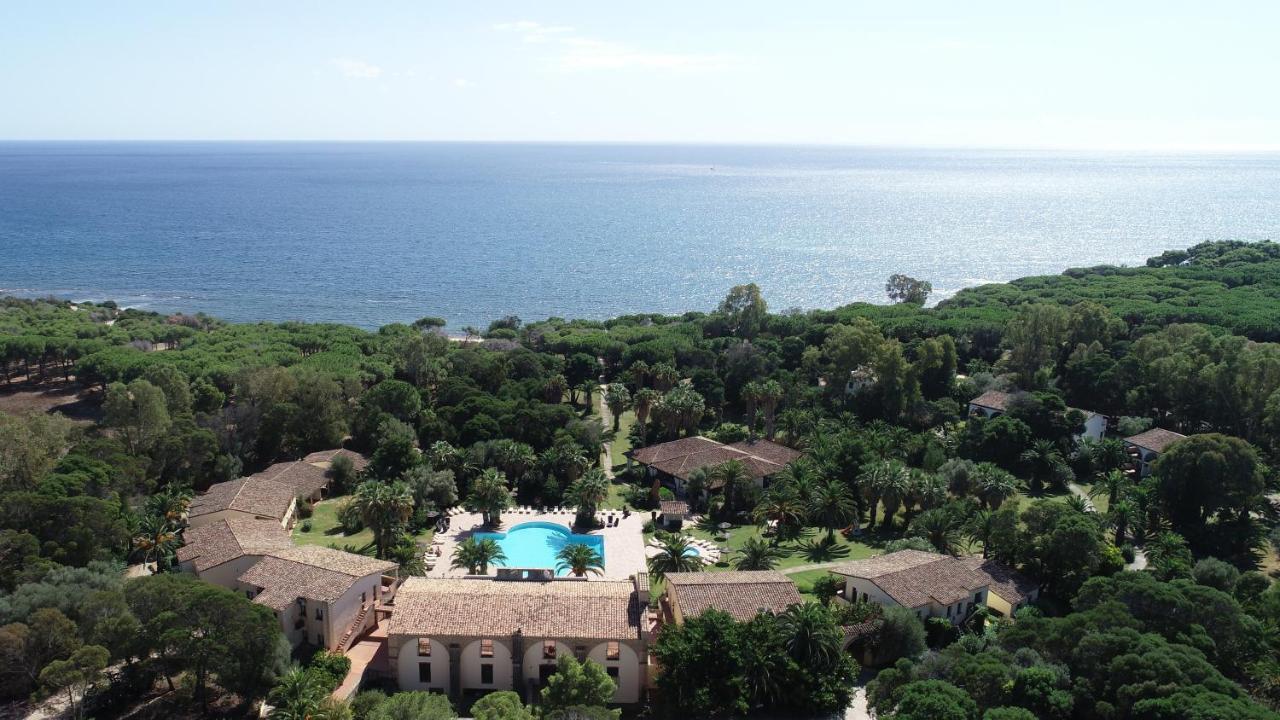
1122, 73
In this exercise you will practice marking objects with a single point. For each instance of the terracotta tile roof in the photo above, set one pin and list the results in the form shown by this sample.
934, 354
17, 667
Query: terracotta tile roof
1012, 586
679, 458
768, 450
742, 594
595, 609
674, 507
305, 478
211, 545
993, 399
255, 496
1155, 439
914, 578
309, 571
324, 457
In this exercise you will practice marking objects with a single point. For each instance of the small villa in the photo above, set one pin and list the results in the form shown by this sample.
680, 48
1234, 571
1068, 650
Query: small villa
673, 461
742, 594
994, 403
467, 637
251, 498
1145, 447
934, 585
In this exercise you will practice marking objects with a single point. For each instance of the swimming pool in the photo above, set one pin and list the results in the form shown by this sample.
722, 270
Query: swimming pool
535, 544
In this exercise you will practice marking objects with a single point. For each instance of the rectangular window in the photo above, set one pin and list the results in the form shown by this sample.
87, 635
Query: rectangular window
424, 672
486, 648
612, 651
613, 672
362, 598
424, 647
320, 639
486, 674
549, 649
977, 598
319, 614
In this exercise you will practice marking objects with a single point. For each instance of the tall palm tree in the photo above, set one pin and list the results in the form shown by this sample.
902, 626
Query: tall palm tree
665, 376
770, 395
618, 398
1044, 458
385, 508
1121, 515
443, 456
979, 528
733, 477
639, 372
476, 554
170, 503
797, 424
831, 506
756, 554
751, 400
296, 696
674, 556
811, 635
515, 458
1113, 485
587, 387
579, 559
881, 481
489, 496
785, 508
939, 527
586, 493
156, 538
554, 389
643, 402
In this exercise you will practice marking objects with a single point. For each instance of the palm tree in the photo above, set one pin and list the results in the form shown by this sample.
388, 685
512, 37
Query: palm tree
475, 555
170, 503
156, 538
1113, 484
442, 456
553, 390
1121, 514
980, 527
586, 493
665, 376
639, 372
674, 555
831, 506
332, 709
385, 508
296, 696
993, 485
769, 397
695, 487
751, 399
882, 481
618, 398
579, 559
733, 477
643, 401
797, 424
489, 496
1078, 503
811, 635
939, 527
756, 554
515, 458
1044, 458
785, 508
586, 387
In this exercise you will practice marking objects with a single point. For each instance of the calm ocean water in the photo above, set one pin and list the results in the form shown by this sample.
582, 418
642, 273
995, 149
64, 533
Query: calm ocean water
374, 233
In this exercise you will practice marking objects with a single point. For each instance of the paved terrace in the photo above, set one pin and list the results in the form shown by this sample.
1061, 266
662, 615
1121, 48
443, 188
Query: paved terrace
624, 550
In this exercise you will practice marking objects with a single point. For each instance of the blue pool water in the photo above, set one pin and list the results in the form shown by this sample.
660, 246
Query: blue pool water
535, 544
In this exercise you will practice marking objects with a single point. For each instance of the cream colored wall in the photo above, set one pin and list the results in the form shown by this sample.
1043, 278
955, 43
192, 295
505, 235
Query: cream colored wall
225, 575
407, 666
343, 611
1094, 427
629, 671
854, 587
533, 656
471, 662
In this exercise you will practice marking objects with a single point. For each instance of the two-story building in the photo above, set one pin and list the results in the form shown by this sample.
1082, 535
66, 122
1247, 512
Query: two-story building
475, 635
994, 403
1145, 447
742, 594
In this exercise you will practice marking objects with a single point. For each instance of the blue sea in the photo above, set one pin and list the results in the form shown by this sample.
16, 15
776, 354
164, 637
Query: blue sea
372, 233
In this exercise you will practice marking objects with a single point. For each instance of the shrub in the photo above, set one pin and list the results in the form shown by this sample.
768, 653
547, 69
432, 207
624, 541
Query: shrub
306, 526
330, 667
305, 508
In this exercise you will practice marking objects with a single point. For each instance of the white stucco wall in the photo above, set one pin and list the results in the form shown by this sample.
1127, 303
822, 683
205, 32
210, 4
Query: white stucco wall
628, 664
343, 611
408, 661
1094, 428
533, 656
471, 662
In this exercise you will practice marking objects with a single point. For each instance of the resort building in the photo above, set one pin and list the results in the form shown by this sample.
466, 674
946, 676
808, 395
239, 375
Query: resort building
673, 461
322, 596
934, 585
671, 514
309, 477
1145, 447
471, 636
742, 594
251, 498
994, 403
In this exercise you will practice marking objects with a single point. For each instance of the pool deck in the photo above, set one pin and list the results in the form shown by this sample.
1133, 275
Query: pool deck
624, 551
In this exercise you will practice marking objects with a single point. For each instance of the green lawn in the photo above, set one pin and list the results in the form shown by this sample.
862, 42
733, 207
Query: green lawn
804, 582
621, 442
617, 496
327, 531
868, 545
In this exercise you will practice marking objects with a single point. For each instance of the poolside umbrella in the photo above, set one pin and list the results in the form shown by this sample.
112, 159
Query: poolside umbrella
725, 526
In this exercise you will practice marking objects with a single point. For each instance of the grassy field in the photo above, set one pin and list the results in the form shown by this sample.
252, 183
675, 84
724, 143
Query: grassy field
809, 549
327, 531
804, 581
621, 442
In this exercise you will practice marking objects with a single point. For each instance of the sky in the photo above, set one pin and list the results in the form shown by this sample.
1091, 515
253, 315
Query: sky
1118, 74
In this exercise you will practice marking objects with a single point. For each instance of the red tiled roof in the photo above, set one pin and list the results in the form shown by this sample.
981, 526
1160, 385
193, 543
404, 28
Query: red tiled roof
1155, 439
679, 458
1012, 586
742, 594
768, 450
211, 545
254, 495
914, 578
993, 399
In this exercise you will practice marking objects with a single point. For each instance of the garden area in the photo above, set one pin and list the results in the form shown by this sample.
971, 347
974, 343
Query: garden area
325, 528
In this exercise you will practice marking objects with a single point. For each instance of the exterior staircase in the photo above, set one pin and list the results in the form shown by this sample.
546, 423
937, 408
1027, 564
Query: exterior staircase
353, 632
